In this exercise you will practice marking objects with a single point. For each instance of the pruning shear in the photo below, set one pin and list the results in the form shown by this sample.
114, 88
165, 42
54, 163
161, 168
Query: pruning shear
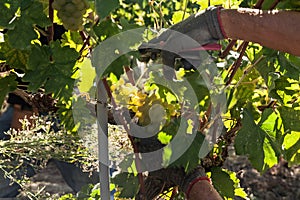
153, 51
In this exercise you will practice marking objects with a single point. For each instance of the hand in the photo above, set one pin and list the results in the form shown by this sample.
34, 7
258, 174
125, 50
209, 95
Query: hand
182, 40
165, 178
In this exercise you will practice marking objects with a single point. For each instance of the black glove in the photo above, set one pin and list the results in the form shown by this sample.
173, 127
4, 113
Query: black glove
196, 173
163, 179
183, 39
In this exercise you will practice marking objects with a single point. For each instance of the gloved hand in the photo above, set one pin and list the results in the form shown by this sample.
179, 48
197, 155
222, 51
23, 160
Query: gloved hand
178, 177
198, 32
163, 179
192, 176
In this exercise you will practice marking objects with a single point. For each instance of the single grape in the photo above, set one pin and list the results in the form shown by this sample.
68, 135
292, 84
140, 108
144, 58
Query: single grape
57, 4
77, 15
70, 8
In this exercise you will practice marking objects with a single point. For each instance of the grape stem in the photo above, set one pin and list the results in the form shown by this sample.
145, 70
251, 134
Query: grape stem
174, 193
50, 28
228, 48
238, 62
85, 39
258, 4
129, 74
122, 120
274, 4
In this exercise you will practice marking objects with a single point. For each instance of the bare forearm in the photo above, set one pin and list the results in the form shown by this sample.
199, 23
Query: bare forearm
278, 30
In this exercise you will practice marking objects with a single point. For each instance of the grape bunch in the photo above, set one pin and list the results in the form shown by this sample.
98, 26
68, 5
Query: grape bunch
140, 102
71, 13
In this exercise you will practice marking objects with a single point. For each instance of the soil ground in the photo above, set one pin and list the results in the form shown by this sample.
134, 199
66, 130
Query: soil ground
278, 183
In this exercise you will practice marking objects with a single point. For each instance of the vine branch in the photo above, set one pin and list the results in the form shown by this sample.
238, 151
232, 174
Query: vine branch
50, 28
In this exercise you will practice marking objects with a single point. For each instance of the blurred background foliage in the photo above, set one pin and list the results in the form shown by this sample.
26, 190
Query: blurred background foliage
263, 105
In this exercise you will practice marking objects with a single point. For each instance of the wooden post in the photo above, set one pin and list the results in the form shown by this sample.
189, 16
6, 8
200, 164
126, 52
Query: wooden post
102, 120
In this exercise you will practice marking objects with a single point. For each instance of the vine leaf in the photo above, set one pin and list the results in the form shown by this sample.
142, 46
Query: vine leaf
10, 85
129, 184
106, 29
39, 56
250, 140
222, 182
206, 4
104, 7
38, 67
16, 58
290, 67
55, 75
272, 147
21, 36
293, 152
267, 64
33, 13
190, 158
178, 15
8, 9
290, 119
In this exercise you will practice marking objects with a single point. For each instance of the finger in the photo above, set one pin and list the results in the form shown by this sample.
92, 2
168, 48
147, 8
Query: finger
149, 47
168, 58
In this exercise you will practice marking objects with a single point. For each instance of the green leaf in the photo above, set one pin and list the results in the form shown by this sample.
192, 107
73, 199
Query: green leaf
290, 69
266, 65
272, 146
238, 190
22, 35
117, 66
65, 112
126, 25
277, 85
270, 158
55, 75
250, 140
14, 57
104, 7
178, 16
290, 118
232, 4
113, 54
289, 4
163, 137
205, 4
8, 84
8, 9
95, 193
64, 55
39, 56
87, 76
129, 184
290, 153
38, 65
36, 78
61, 86
222, 182
198, 84
190, 158
106, 28
33, 13
291, 146
81, 113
